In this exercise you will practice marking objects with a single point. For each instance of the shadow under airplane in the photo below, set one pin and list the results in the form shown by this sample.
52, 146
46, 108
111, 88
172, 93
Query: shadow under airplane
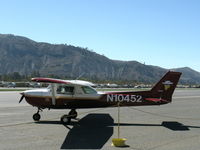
94, 130
91, 132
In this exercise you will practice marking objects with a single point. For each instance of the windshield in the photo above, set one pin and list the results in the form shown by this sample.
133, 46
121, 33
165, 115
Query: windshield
88, 90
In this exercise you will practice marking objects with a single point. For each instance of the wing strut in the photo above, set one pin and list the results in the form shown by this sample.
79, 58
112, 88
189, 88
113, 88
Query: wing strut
53, 94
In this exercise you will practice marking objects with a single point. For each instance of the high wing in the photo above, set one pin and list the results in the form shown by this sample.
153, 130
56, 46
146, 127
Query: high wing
49, 80
75, 82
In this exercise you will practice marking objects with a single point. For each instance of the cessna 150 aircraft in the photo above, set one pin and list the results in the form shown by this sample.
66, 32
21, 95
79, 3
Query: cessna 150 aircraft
76, 94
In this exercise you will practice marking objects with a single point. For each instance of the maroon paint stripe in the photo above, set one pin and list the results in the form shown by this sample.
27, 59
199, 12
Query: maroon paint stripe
49, 80
155, 100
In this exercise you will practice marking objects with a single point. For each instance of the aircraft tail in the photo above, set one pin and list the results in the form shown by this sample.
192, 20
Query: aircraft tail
166, 86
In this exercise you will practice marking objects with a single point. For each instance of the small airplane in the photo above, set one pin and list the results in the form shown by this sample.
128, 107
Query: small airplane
77, 94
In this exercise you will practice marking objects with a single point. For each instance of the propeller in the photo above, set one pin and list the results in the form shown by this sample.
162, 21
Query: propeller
21, 98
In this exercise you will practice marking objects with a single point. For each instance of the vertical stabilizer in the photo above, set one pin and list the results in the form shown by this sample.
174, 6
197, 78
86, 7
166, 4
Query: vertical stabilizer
166, 86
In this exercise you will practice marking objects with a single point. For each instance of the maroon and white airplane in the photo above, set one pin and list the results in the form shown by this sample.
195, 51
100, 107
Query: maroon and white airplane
76, 94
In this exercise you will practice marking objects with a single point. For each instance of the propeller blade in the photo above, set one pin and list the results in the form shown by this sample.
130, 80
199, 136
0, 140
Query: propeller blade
21, 98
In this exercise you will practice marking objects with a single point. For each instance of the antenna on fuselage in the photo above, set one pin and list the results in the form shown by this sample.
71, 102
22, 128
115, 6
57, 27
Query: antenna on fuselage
80, 76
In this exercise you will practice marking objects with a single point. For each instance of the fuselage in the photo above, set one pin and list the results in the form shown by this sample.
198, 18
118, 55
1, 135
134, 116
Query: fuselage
76, 96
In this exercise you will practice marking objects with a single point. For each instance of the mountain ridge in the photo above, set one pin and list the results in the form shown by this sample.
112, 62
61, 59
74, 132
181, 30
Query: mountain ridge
23, 55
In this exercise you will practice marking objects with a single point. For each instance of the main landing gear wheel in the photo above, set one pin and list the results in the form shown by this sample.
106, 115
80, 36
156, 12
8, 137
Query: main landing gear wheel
67, 118
36, 117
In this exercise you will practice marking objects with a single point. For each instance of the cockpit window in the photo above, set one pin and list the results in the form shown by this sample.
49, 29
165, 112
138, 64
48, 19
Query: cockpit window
62, 89
88, 90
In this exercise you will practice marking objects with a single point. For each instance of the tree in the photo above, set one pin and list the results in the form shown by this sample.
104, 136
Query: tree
15, 76
35, 74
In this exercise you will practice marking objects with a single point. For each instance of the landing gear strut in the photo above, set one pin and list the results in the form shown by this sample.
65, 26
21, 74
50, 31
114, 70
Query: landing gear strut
36, 116
67, 118
73, 114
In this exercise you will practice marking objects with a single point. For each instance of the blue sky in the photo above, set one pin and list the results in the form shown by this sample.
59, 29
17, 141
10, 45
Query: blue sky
164, 33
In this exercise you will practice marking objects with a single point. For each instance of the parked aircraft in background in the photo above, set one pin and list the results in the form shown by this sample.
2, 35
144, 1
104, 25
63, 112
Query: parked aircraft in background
8, 84
78, 94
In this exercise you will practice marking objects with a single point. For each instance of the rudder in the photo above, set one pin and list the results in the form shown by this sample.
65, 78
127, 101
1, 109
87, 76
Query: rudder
166, 86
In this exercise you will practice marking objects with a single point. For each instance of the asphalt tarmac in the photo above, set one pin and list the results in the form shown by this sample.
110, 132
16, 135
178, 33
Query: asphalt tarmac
175, 126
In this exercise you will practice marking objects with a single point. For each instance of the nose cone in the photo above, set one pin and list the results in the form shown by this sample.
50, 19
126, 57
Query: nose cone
31, 93
36, 92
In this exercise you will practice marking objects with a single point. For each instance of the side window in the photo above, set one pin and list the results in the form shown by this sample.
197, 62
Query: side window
88, 90
68, 90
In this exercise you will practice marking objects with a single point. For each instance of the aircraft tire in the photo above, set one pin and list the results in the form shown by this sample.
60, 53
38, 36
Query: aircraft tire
65, 119
36, 117
73, 114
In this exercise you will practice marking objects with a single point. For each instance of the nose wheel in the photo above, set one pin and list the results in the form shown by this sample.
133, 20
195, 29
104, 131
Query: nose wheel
65, 119
36, 116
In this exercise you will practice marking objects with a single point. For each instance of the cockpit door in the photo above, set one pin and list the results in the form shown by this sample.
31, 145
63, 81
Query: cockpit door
65, 91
